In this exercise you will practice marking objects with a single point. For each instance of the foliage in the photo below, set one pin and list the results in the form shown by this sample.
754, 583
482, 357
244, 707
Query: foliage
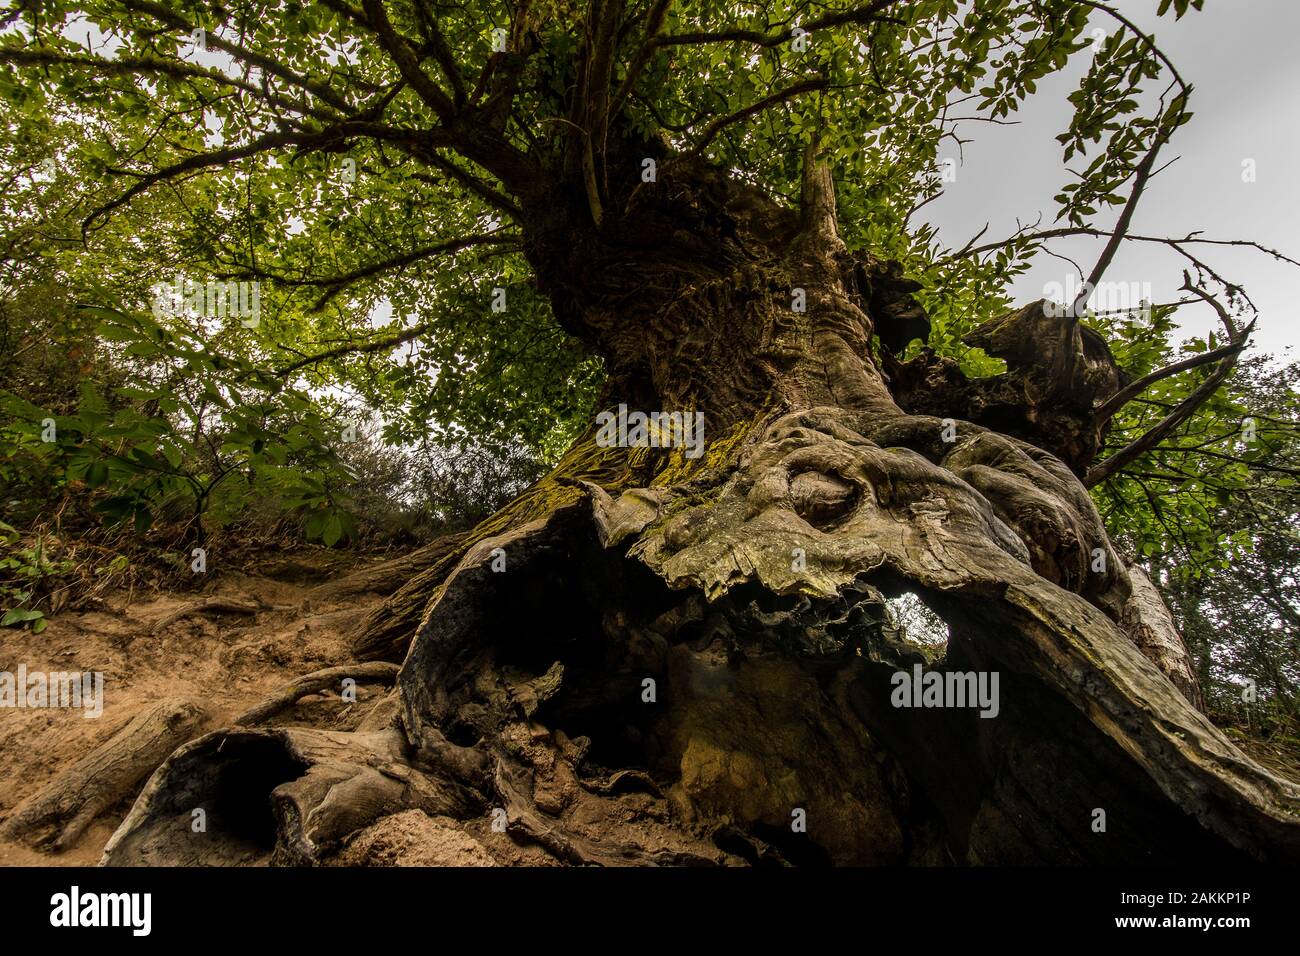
1169, 504
302, 212
185, 422
22, 571
1240, 610
412, 494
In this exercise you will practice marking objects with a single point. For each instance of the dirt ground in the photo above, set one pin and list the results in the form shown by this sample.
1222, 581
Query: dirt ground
227, 662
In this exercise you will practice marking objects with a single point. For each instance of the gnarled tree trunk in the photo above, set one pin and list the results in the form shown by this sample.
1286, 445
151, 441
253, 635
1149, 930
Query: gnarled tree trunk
649, 658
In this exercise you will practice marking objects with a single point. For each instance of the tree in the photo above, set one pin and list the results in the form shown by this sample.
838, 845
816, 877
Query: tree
1239, 611
714, 206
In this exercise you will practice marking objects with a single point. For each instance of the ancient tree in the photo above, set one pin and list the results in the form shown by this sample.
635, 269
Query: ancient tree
650, 657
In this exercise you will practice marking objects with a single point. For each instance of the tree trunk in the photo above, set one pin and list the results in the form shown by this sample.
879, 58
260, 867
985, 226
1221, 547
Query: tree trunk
652, 658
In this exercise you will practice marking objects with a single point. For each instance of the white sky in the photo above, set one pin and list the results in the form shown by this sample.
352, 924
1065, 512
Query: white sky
1240, 55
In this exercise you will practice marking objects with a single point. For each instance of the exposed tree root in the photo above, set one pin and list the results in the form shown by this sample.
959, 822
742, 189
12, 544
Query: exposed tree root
289, 792
211, 605
512, 784
386, 577
376, 672
55, 817
700, 673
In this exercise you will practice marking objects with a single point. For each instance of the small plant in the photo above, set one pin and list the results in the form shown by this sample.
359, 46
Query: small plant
191, 436
23, 573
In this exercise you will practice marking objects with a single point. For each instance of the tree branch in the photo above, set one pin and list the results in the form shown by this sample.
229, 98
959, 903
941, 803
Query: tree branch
1136, 388
1146, 40
1141, 176
1185, 409
437, 43
134, 66
330, 136
337, 284
654, 22
1067, 231
718, 125
216, 157
171, 18
475, 185
872, 12
357, 348
408, 64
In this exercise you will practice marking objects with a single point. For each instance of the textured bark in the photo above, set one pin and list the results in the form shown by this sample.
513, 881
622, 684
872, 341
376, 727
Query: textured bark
387, 577
211, 605
688, 660
292, 791
1043, 398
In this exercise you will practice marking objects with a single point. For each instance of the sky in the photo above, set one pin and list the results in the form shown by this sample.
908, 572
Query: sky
1240, 56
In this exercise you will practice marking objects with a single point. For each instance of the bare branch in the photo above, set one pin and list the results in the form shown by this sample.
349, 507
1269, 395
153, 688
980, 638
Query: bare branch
1142, 174
1229, 326
1067, 231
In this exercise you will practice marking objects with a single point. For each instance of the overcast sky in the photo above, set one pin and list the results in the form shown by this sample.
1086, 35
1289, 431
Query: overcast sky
1241, 57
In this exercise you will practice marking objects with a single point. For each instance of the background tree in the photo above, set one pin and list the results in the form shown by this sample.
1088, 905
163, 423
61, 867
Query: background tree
1235, 603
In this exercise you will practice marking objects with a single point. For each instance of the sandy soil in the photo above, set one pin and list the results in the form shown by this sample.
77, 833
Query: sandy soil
225, 661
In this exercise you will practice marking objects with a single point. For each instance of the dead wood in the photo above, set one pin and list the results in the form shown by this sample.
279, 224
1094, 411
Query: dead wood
211, 605
57, 816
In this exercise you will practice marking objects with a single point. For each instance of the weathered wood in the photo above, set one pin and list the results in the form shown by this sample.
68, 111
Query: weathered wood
60, 813
211, 605
384, 577
312, 787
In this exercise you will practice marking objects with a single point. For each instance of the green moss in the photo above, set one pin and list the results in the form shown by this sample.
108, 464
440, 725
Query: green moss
718, 455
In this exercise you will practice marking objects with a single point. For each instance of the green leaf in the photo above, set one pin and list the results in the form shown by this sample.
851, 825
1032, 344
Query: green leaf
332, 530
17, 616
96, 474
